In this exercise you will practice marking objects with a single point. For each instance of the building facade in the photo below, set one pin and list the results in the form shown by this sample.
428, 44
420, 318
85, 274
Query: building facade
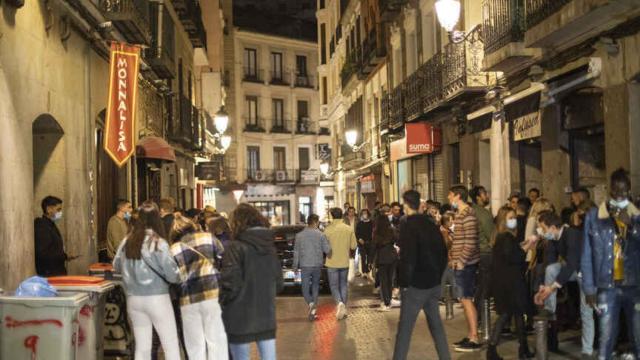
54, 69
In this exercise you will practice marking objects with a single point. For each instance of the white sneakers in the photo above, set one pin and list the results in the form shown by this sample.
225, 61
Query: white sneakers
395, 303
384, 307
312, 312
341, 311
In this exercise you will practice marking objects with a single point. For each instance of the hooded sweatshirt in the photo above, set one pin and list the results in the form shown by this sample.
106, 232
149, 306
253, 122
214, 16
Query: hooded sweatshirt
250, 277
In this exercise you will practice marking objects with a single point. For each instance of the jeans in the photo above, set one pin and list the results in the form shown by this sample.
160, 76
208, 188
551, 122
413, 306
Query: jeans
204, 334
586, 312
338, 283
153, 311
266, 348
503, 320
385, 275
448, 278
466, 281
364, 258
311, 284
484, 280
414, 300
610, 303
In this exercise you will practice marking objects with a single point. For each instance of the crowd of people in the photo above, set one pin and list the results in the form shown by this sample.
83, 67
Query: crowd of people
204, 283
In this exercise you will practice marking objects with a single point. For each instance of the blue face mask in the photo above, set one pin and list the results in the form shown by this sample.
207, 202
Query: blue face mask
620, 204
512, 224
127, 216
57, 216
454, 206
549, 236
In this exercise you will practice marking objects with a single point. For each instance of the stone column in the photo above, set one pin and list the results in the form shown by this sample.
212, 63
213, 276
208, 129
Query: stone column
500, 165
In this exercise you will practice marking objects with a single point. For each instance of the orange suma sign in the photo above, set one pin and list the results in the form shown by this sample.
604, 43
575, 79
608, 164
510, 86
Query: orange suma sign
119, 140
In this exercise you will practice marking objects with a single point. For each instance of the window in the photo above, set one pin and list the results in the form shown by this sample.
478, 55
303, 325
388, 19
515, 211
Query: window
303, 110
250, 62
301, 65
279, 158
251, 109
324, 90
321, 4
323, 44
276, 66
303, 158
278, 112
253, 160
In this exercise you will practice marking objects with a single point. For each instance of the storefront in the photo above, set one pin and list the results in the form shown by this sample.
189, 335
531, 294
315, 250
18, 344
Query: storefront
526, 129
276, 202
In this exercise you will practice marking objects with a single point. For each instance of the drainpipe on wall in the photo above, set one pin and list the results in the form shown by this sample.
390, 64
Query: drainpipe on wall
89, 150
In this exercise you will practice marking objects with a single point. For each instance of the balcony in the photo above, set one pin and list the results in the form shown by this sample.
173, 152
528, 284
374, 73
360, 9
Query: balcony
431, 82
272, 175
197, 134
374, 51
385, 107
279, 77
130, 17
412, 99
563, 24
259, 175
281, 126
190, 16
181, 121
503, 32
350, 68
389, 9
304, 81
252, 75
304, 125
161, 54
325, 131
254, 125
396, 109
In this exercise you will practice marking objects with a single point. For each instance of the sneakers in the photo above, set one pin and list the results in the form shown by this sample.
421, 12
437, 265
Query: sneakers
376, 291
341, 312
463, 341
385, 308
395, 303
312, 312
468, 346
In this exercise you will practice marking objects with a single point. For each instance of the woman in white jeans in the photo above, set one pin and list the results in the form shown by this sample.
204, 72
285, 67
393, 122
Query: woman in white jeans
195, 252
147, 268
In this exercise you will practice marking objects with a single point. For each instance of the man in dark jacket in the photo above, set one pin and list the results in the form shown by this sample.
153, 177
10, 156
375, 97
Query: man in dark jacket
610, 262
49, 247
423, 258
364, 234
566, 268
250, 268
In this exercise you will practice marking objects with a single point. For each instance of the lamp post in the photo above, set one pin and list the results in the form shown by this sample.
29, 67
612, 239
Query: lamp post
448, 13
221, 120
351, 137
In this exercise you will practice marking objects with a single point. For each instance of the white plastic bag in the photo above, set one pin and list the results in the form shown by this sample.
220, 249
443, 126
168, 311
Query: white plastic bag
352, 270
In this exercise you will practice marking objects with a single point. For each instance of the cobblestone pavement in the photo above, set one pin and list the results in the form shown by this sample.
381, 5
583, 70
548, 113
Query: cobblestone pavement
370, 334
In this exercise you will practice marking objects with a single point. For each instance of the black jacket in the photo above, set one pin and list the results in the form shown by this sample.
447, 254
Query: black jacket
364, 231
49, 248
423, 254
570, 250
250, 277
167, 221
385, 251
507, 278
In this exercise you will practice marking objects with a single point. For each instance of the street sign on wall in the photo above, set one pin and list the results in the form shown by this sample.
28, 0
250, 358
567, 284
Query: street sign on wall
120, 124
422, 138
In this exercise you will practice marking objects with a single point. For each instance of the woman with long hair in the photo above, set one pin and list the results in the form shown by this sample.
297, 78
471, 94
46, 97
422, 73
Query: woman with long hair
251, 275
147, 269
195, 252
386, 258
508, 285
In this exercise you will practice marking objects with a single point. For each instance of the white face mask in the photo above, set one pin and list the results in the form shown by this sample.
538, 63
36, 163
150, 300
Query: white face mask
57, 216
453, 226
512, 224
539, 231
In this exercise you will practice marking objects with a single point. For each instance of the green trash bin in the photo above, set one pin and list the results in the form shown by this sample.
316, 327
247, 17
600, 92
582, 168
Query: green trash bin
91, 317
41, 327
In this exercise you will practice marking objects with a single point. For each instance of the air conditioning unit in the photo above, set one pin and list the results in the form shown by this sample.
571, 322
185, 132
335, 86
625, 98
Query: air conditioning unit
281, 175
260, 175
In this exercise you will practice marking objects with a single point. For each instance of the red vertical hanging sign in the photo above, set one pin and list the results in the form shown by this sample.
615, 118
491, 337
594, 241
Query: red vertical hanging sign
120, 125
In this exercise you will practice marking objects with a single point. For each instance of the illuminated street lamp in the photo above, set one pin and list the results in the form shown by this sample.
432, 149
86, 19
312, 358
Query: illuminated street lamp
351, 136
448, 12
221, 120
225, 142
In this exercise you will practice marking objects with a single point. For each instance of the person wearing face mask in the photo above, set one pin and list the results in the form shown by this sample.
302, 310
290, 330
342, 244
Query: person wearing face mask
118, 226
610, 262
508, 285
50, 256
568, 243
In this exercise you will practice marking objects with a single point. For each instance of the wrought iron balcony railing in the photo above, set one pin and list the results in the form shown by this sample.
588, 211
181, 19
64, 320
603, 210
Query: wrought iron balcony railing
197, 131
180, 120
462, 65
396, 108
161, 54
190, 15
412, 87
272, 175
304, 81
281, 126
254, 124
431, 82
279, 77
305, 125
538, 10
385, 111
251, 74
374, 51
503, 23
131, 17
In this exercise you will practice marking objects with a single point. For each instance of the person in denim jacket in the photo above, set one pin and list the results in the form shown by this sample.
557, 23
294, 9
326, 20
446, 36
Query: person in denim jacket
610, 264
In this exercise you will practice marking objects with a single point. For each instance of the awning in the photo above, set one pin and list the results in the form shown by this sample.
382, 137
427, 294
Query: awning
153, 147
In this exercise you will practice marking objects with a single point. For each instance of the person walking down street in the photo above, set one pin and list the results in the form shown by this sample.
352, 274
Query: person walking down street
508, 285
195, 252
343, 241
309, 249
250, 277
364, 234
423, 258
147, 269
51, 257
386, 257
609, 264
480, 199
465, 256
118, 227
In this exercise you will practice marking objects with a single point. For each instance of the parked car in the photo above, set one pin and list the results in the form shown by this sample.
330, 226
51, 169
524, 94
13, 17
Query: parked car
285, 238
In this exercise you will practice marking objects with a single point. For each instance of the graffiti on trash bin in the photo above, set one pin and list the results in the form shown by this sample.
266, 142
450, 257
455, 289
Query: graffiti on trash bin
31, 343
80, 335
86, 311
117, 338
13, 323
